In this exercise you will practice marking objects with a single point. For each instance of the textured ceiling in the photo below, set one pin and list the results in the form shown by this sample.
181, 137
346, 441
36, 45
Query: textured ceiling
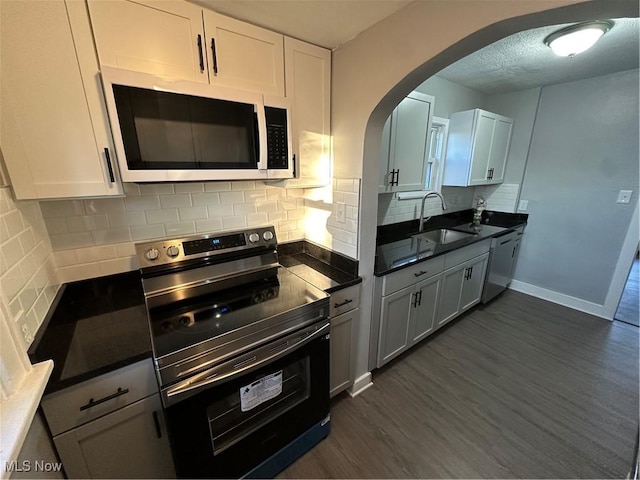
328, 23
523, 61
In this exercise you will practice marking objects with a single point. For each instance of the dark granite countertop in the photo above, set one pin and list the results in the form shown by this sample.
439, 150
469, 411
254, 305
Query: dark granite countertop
396, 249
322, 268
93, 326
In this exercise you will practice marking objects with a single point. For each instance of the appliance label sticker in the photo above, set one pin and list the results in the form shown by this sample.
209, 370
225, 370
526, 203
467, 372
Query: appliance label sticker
260, 391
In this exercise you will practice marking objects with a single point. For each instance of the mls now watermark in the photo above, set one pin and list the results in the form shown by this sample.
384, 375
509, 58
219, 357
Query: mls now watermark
29, 466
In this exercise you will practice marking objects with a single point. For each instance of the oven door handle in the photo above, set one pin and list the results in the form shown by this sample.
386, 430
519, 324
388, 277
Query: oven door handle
263, 355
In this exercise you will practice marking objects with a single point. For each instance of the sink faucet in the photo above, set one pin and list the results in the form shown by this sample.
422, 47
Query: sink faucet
426, 195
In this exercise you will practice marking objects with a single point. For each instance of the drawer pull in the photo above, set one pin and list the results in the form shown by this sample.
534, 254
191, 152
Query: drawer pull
420, 273
93, 403
346, 302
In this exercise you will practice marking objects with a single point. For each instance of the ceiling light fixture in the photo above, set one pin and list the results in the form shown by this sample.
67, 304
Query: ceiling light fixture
575, 39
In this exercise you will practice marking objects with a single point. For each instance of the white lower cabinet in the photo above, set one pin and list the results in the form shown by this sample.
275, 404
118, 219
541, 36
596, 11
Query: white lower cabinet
341, 374
131, 442
344, 314
111, 426
410, 309
462, 288
407, 316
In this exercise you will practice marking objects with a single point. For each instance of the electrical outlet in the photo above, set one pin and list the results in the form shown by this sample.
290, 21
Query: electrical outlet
26, 334
624, 196
340, 212
522, 206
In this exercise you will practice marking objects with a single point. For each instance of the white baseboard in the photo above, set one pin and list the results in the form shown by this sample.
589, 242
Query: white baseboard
561, 299
362, 383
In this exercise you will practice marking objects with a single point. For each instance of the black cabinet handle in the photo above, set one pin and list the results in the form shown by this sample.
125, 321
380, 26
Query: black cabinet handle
200, 53
156, 422
107, 158
93, 403
215, 56
420, 273
346, 302
294, 165
420, 297
415, 300
397, 176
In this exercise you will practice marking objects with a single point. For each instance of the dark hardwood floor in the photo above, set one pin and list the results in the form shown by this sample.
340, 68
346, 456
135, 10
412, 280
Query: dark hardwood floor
629, 307
518, 388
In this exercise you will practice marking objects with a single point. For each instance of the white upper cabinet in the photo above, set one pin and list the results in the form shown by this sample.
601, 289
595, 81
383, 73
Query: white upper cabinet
55, 136
477, 148
404, 149
308, 78
180, 40
244, 56
159, 37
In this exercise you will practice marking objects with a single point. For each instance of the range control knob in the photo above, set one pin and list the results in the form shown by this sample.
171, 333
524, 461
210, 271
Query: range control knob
254, 237
173, 251
152, 254
268, 235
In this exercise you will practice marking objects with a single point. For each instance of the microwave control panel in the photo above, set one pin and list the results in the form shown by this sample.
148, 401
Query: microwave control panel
277, 142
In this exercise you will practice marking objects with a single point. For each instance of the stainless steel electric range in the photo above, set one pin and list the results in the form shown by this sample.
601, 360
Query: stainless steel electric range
241, 348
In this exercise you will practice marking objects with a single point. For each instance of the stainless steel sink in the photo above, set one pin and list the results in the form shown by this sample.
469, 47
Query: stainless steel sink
443, 236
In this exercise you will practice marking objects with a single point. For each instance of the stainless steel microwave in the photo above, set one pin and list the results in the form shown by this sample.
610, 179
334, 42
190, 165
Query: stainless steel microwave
170, 131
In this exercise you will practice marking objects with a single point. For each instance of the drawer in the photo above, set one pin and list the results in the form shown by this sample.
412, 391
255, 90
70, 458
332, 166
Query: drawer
461, 255
344, 300
408, 276
99, 396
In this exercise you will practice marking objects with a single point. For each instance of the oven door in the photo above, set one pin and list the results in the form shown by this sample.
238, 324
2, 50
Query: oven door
225, 423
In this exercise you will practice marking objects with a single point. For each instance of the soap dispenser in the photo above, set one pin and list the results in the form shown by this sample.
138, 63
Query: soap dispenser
481, 205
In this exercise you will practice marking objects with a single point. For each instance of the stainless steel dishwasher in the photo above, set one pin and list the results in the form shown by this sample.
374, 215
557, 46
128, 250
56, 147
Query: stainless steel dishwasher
502, 263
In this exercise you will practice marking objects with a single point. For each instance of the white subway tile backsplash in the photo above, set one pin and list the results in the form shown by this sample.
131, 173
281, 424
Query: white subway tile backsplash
56, 225
181, 228
244, 208
94, 254
210, 225
227, 198
174, 201
127, 219
277, 216
268, 206
104, 205
147, 232
168, 215
65, 257
257, 219
156, 188
86, 223
234, 222
131, 189
65, 241
217, 186
295, 214
62, 208
189, 187
13, 223
205, 199
192, 213
255, 195
125, 249
243, 185
148, 202
219, 211
111, 235
12, 251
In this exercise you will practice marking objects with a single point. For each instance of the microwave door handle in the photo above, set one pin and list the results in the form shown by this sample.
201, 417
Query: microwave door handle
262, 137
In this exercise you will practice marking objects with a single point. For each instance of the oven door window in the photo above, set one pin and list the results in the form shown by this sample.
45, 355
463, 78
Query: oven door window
169, 131
263, 399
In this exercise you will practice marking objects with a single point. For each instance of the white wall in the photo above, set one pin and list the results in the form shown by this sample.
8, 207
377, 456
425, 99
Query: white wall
451, 97
584, 149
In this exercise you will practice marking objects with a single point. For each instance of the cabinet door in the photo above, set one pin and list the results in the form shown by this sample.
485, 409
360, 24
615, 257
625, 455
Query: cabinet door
341, 347
449, 304
395, 316
424, 313
161, 37
409, 140
308, 78
53, 122
499, 149
473, 280
243, 55
384, 174
129, 443
485, 124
